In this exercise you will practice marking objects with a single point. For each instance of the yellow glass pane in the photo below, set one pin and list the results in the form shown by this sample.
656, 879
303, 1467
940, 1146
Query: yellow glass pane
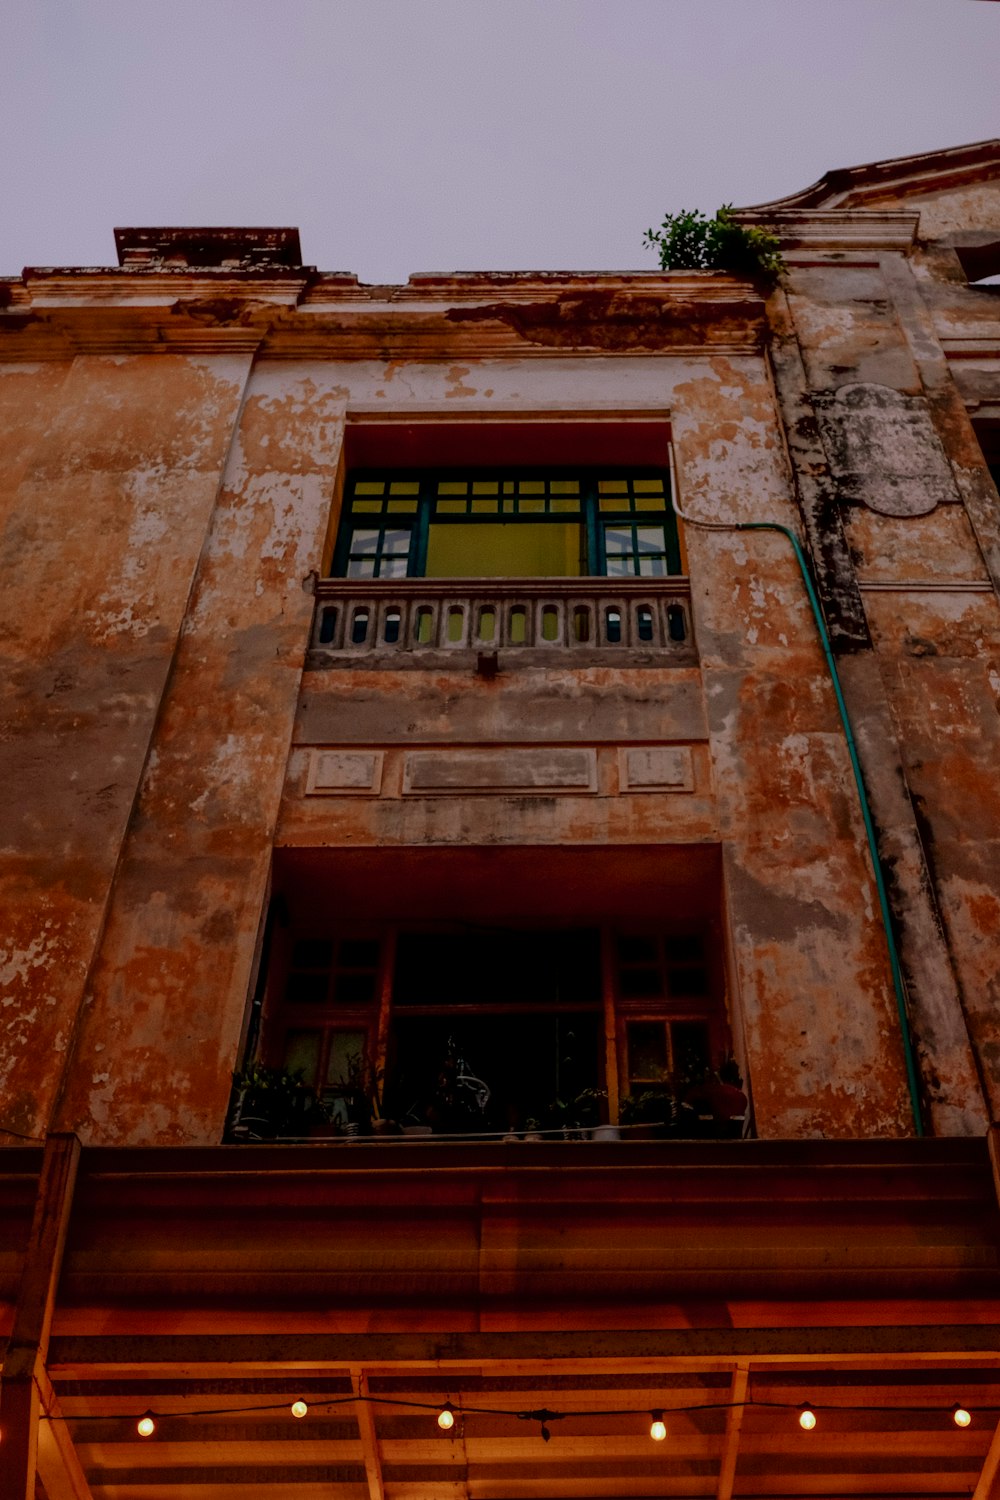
485, 487
508, 486
485, 507
652, 502
404, 487
509, 507
452, 507
486, 550
613, 487
532, 507
370, 487
613, 502
572, 505
531, 487
398, 505
564, 487
453, 487
648, 486
367, 505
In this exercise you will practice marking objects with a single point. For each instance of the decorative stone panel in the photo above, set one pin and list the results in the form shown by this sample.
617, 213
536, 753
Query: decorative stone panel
428, 773
656, 768
884, 451
336, 772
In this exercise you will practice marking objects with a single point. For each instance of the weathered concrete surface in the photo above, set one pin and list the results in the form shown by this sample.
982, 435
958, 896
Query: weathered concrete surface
944, 687
116, 464
821, 1033
158, 1037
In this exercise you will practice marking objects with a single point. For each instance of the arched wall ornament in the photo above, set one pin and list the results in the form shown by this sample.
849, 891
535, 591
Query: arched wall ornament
883, 450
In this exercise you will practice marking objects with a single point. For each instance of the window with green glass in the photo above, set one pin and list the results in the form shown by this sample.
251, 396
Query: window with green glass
507, 525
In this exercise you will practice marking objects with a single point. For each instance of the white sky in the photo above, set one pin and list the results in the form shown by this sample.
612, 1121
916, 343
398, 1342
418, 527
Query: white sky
436, 135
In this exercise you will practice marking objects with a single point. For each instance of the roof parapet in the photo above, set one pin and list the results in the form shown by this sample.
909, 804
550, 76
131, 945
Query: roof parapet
237, 249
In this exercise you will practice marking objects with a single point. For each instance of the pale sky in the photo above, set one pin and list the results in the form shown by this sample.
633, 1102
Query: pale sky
439, 135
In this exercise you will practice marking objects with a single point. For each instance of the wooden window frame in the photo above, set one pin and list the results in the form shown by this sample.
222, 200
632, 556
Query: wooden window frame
595, 514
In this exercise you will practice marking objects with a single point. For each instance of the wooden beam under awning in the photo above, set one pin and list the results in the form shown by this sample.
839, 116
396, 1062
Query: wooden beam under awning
682, 1348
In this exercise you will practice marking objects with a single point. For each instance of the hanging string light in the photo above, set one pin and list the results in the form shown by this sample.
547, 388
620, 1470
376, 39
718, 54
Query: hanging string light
447, 1413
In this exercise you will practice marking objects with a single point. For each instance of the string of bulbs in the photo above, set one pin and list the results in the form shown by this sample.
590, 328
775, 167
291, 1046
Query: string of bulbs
448, 1414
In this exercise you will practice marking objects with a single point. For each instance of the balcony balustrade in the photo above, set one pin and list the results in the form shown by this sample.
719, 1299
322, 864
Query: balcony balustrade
410, 616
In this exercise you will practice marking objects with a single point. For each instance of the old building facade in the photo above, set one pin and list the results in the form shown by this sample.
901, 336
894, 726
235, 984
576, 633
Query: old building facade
515, 705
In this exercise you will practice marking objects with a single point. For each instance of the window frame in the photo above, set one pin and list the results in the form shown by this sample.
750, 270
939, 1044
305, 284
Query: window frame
594, 515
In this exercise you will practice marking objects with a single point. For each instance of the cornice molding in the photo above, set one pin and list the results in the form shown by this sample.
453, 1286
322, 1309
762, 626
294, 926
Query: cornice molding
60, 313
837, 232
927, 172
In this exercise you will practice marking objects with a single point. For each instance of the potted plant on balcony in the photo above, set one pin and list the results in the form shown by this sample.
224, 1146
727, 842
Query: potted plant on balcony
714, 1105
271, 1104
576, 1117
649, 1113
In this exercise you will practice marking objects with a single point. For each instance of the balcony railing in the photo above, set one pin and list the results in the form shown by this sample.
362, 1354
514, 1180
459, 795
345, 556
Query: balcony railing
413, 615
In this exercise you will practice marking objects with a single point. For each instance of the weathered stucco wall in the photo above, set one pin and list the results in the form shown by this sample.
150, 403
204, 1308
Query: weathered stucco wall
910, 496
158, 1038
165, 516
821, 1034
117, 463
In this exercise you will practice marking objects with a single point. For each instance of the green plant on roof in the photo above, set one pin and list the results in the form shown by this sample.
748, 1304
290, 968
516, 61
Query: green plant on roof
690, 241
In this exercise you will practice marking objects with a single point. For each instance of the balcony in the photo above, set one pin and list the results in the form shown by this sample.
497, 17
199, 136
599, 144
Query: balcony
419, 620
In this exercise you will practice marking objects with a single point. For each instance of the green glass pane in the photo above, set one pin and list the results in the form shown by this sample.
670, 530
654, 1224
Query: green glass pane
485, 550
647, 1049
302, 1054
347, 1051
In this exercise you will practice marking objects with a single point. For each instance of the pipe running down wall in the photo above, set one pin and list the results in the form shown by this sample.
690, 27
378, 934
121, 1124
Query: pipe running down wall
897, 975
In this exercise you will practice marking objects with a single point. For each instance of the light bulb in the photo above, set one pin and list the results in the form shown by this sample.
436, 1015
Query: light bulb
446, 1417
145, 1426
961, 1417
299, 1408
658, 1430
807, 1418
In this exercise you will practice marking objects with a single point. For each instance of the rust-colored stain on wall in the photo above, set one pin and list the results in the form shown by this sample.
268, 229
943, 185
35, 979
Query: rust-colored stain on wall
170, 495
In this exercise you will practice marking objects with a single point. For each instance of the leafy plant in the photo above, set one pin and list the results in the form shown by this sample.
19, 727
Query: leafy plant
690, 241
269, 1102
